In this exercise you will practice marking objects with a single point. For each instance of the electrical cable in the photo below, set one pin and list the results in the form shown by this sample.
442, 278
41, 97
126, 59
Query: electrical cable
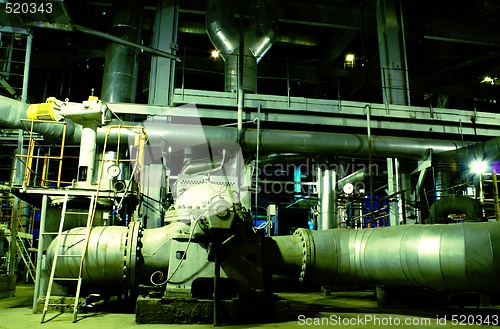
180, 262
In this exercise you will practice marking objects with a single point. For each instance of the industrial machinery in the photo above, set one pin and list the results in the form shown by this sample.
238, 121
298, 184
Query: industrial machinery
203, 260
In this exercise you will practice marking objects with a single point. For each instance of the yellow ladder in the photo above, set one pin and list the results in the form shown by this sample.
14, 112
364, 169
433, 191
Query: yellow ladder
60, 235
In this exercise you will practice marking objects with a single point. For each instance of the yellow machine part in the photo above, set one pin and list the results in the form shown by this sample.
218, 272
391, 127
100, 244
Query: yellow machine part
43, 111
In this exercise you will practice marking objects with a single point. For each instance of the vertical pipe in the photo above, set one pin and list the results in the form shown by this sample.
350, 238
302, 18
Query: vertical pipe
41, 243
86, 159
121, 65
370, 160
328, 200
405, 55
495, 196
257, 165
443, 183
27, 60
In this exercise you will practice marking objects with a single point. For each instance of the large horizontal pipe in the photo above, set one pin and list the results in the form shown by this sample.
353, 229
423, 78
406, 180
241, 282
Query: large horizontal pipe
271, 141
117, 257
442, 208
290, 141
460, 257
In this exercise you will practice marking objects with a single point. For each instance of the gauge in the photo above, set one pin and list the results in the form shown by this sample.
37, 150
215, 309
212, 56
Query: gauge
114, 171
348, 188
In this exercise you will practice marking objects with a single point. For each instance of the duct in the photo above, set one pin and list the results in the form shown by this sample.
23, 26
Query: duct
459, 257
258, 39
439, 211
116, 255
121, 65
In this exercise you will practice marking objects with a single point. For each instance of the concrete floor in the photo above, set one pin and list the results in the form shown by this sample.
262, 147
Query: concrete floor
352, 309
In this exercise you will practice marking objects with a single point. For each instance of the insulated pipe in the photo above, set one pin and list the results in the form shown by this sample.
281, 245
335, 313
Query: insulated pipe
121, 66
86, 160
117, 257
257, 40
327, 199
271, 141
13, 111
460, 257
353, 178
443, 182
289, 141
439, 211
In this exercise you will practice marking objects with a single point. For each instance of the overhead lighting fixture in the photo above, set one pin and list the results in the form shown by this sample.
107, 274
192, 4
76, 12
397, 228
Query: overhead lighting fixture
349, 60
478, 166
215, 54
489, 80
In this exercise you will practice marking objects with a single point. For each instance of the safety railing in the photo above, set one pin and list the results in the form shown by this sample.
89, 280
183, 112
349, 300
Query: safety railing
36, 153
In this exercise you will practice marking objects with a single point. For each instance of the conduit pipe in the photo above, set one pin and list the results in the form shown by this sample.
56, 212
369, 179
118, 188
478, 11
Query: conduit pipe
459, 257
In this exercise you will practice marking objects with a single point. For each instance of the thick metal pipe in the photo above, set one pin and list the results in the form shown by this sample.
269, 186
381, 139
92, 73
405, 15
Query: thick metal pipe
460, 257
442, 208
257, 41
117, 256
121, 65
290, 141
270, 141
443, 182
12, 111
327, 199
353, 178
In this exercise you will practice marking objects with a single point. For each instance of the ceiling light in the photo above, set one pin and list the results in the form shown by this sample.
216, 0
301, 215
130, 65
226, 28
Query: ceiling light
478, 166
349, 58
215, 53
489, 80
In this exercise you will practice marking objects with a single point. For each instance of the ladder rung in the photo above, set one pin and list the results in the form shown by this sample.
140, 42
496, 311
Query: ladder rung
56, 233
66, 279
76, 213
57, 304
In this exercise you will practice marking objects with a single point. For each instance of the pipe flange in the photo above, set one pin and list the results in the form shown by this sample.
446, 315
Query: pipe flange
308, 255
130, 253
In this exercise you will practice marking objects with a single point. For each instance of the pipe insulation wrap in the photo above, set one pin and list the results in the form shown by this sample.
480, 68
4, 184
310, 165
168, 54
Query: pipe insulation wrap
464, 257
104, 260
117, 256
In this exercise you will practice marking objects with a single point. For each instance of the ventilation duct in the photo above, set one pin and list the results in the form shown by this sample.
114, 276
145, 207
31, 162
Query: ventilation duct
225, 37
